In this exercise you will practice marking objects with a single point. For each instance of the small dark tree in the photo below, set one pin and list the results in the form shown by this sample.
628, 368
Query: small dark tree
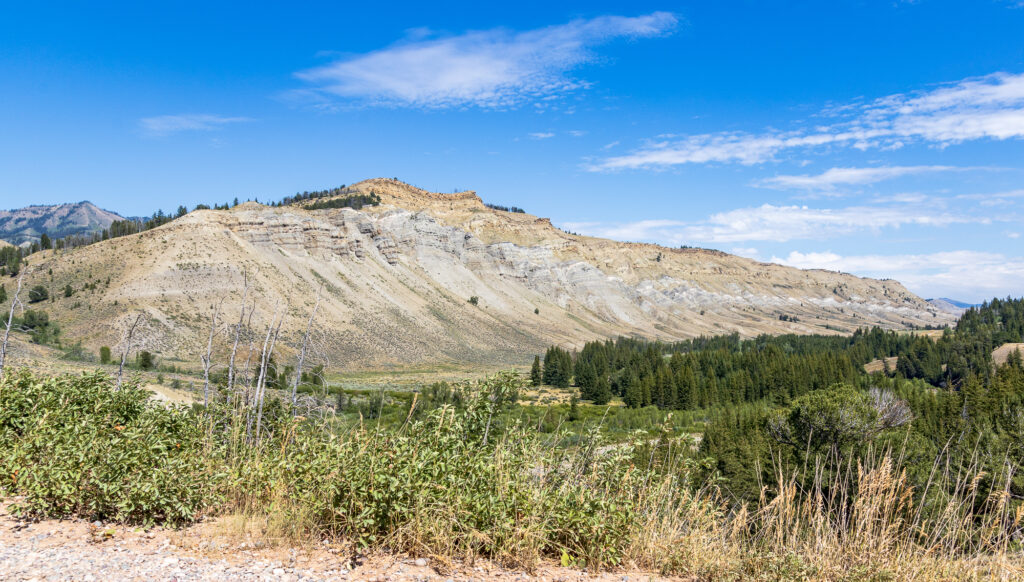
105, 355
536, 376
68, 291
3, 294
574, 407
37, 294
144, 360
474, 300
602, 392
45, 243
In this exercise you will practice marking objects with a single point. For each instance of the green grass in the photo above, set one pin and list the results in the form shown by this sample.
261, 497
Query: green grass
459, 472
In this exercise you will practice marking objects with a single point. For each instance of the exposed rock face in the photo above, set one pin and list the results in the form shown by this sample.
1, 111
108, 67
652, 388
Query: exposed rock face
397, 277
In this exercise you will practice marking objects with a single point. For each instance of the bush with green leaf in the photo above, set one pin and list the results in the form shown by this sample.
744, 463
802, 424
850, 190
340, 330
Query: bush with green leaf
74, 445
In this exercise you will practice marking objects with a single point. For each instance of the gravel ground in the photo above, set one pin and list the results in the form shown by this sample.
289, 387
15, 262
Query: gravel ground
78, 550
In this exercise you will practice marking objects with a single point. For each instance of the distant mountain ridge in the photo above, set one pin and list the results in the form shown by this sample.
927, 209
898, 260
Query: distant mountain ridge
952, 306
425, 277
28, 224
960, 304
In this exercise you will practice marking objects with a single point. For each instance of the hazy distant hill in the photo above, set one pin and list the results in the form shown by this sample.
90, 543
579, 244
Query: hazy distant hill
398, 280
960, 304
950, 305
28, 224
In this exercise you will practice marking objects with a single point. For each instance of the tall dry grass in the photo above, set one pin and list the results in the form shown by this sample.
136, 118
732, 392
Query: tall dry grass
470, 482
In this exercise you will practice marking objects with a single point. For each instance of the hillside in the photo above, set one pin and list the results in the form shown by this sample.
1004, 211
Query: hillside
397, 279
28, 224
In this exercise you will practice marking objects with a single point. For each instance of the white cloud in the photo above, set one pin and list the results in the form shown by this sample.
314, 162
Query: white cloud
168, 124
966, 275
542, 135
749, 252
783, 223
774, 223
492, 68
994, 198
848, 176
989, 107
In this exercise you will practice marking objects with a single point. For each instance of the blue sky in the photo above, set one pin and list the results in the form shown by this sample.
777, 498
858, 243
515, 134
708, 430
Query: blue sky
881, 138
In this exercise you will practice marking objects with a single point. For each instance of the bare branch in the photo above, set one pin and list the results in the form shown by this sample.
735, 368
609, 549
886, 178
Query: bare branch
15, 302
238, 330
892, 412
128, 347
272, 334
208, 357
305, 345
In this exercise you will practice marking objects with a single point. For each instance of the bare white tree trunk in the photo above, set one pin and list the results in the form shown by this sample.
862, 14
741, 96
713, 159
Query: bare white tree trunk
248, 357
238, 332
305, 345
256, 399
208, 358
128, 347
261, 386
15, 302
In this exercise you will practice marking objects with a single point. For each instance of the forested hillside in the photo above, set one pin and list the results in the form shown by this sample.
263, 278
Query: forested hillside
787, 401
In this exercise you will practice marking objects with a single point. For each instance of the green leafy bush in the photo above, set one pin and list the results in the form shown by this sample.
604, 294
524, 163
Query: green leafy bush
74, 445
37, 294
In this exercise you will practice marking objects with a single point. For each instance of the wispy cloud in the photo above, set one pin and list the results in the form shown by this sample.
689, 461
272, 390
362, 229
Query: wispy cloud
488, 69
1008, 198
774, 223
965, 275
833, 177
785, 223
542, 135
169, 124
989, 107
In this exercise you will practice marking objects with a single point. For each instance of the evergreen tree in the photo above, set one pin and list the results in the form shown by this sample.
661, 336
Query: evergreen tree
38, 294
536, 376
574, 407
586, 379
44, 242
602, 393
634, 394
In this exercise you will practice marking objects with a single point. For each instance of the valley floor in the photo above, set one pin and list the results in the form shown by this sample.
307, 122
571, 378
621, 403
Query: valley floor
79, 550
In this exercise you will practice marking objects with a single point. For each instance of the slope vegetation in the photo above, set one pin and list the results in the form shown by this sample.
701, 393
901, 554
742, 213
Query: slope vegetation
396, 282
28, 224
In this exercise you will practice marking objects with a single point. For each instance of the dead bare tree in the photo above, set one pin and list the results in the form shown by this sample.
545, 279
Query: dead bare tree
265, 355
15, 302
238, 331
128, 347
208, 357
305, 346
248, 356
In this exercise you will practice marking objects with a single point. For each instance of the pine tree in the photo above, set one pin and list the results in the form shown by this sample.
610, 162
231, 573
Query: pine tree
535, 372
45, 243
602, 392
634, 394
574, 407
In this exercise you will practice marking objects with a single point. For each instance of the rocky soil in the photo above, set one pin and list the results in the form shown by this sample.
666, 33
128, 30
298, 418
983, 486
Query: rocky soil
92, 552
396, 280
